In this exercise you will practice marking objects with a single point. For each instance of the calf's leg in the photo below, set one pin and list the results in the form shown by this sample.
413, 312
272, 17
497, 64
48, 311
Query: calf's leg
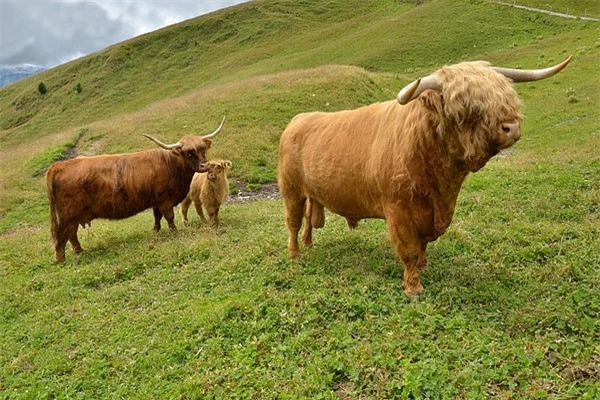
198, 205
213, 215
185, 204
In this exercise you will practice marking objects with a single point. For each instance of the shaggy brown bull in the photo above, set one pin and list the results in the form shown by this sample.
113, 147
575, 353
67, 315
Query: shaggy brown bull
209, 190
121, 185
404, 161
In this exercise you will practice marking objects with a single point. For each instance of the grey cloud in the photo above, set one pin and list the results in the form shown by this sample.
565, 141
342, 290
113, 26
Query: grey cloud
50, 32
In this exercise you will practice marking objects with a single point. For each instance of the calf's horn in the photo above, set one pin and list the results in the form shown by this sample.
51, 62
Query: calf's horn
215, 132
177, 145
528, 75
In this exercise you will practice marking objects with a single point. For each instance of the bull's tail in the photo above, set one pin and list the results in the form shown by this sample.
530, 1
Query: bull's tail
52, 201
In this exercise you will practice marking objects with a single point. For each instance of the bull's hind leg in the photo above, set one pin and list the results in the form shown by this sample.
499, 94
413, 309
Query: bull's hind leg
294, 210
314, 218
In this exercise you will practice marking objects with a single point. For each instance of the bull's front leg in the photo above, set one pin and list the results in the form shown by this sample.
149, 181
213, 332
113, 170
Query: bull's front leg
411, 250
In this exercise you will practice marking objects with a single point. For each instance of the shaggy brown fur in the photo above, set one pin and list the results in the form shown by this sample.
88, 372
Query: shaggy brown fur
405, 164
209, 189
119, 186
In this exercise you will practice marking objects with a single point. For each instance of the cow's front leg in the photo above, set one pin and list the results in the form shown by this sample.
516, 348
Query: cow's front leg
157, 217
411, 251
169, 215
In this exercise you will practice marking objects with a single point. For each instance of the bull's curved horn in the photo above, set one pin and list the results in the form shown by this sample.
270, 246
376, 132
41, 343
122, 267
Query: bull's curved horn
528, 75
414, 89
215, 132
177, 145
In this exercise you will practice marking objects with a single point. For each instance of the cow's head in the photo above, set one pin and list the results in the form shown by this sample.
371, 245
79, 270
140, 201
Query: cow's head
191, 149
475, 106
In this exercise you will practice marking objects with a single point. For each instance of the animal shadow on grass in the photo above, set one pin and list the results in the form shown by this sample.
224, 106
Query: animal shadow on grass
108, 247
464, 281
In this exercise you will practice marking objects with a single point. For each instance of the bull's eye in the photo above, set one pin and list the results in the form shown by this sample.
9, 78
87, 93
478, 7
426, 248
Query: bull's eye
505, 129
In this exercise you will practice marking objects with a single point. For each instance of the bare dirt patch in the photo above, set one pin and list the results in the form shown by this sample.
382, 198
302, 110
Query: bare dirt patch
266, 191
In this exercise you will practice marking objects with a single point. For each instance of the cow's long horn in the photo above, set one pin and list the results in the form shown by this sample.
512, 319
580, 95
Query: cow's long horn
414, 89
163, 145
528, 75
215, 132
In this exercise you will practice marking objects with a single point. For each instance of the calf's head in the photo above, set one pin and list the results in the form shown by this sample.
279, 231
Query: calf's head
475, 107
216, 168
191, 149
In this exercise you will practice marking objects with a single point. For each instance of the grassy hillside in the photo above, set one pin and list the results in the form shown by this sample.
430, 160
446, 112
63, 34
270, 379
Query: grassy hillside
511, 305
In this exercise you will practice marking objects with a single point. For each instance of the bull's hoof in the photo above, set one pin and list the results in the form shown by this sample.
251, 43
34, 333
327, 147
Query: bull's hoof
294, 253
60, 258
414, 290
78, 250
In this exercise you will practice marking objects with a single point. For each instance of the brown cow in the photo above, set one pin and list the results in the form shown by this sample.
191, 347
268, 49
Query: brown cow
121, 185
209, 190
403, 161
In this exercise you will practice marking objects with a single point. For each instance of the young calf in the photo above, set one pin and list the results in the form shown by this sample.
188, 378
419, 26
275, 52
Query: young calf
209, 189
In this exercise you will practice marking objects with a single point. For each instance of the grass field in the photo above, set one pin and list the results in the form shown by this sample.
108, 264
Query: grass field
511, 304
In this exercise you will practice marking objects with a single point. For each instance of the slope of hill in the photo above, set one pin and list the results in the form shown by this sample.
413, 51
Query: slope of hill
238, 50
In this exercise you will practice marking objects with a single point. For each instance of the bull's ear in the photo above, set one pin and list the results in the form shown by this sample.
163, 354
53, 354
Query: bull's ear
433, 100
208, 143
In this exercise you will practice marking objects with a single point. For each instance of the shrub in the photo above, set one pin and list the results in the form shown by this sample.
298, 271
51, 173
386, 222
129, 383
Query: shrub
42, 88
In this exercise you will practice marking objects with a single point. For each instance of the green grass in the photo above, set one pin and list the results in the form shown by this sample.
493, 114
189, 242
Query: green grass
511, 305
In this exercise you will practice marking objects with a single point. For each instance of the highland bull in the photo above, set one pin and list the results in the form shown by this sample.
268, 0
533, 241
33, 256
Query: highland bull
121, 185
403, 161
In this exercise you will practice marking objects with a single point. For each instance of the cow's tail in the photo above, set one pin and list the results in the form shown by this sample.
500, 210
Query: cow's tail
52, 200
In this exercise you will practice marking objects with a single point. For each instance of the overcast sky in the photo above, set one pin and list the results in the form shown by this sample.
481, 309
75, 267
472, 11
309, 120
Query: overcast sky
52, 32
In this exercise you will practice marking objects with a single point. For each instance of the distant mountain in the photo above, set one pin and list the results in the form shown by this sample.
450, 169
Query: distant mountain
13, 73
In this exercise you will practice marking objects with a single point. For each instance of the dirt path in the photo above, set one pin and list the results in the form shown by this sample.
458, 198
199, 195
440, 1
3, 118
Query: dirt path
556, 14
